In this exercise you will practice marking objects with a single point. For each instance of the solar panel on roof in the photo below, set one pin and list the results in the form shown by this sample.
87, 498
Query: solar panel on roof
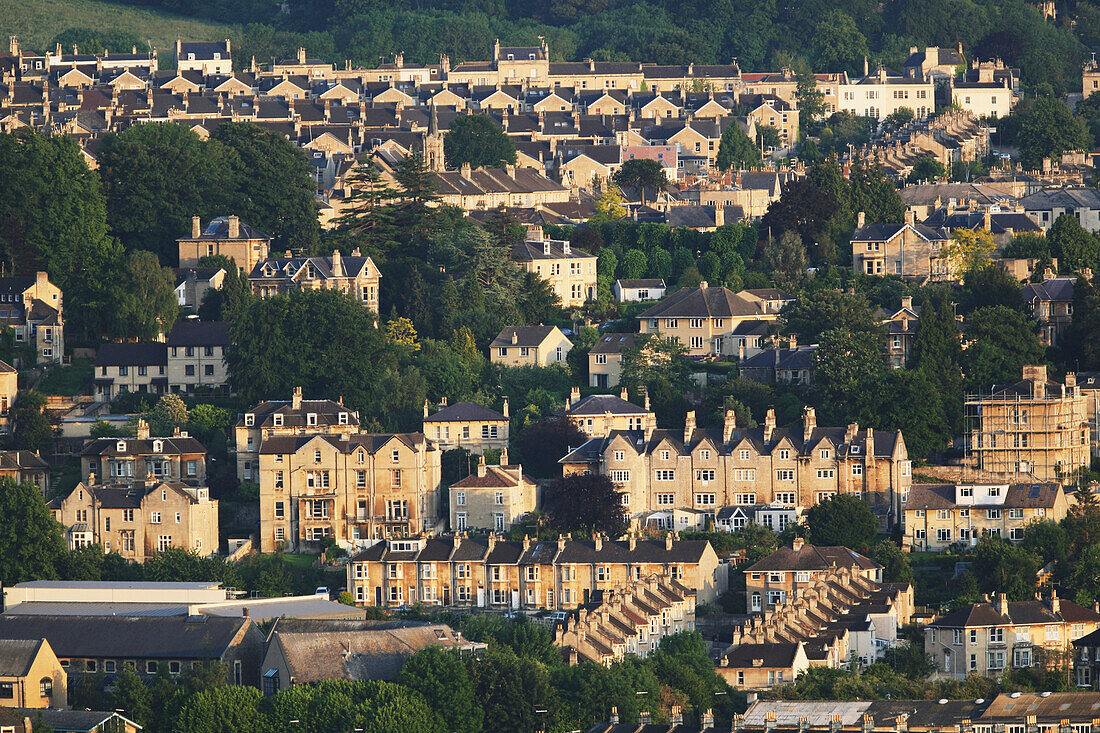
1034, 493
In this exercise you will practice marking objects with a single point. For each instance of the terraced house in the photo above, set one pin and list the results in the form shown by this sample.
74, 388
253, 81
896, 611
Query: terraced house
502, 574
990, 637
32, 308
752, 468
939, 516
352, 487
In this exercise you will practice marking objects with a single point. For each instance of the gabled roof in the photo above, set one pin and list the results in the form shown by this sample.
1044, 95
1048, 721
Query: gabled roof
1057, 288
886, 232
218, 228
495, 477
771, 655
17, 656
601, 404
614, 343
705, 302
530, 336
812, 557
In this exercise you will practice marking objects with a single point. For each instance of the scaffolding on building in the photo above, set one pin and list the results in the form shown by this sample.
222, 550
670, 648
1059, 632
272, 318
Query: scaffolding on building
1010, 433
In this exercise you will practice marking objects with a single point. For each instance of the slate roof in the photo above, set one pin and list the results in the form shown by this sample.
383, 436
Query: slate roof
495, 477
999, 223
1058, 288
614, 343
71, 721
800, 357
465, 412
199, 333
708, 302
779, 654
365, 654
530, 336
218, 228
532, 250
327, 412
600, 404
17, 656
139, 354
886, 232
812, 557
1062, 198
18, 459
142, 446
644, 283
1019, 613
130, 637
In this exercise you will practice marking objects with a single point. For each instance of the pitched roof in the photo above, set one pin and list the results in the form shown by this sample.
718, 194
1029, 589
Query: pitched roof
705, 302
771, 655
1056, 288
132, 637
529, 336
364, 654
614, 343
199, 333
600, 404
139, 354
813, 557
17, 656
464, 412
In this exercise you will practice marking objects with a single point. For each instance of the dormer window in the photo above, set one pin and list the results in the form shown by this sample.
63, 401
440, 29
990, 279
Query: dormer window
158, 446
311, 418
120, 446
277, 420
249, 419
342, 418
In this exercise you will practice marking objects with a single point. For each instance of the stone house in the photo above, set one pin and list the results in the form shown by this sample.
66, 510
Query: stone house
704, 319
177, 457
25, 467
31, 676
939, 516
130, 367
501, 574
753, 666
352, 487
881, 94
901, 333
782, 576
792, 365
632, 291
1044, 207
139, 519
467, 425
1035, 427
990, 637
492, 498
1051, 303
628, 620
295, 416
196, 356
9, 390
600, 414
207, 58
529, 346
570, 272
353, 275
32, 307
224, 236
707, 469
605, 359
910, 250
192, 284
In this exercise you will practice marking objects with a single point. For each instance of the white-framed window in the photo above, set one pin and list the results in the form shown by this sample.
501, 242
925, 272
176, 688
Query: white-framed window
857, 469
460, 498
704, 474
784, 474
664, 474
666, 499
620, 477
704, 500
745, 499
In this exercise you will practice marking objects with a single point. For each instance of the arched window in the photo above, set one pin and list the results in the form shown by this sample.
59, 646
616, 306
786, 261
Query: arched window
45, 687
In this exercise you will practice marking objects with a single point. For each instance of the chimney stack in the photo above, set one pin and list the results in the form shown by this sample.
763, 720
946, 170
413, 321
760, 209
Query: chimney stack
481, 466
504, 409
234, 227
729, 424
574, 396
861, 220
337, 263
196, 227
296, 399
689, 426
142, 429
769, 424
809, 423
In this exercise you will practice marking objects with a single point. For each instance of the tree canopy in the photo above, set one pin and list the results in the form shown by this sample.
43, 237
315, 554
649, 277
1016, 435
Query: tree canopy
476, 140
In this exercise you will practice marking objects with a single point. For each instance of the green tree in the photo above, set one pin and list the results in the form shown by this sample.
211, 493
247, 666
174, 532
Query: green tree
609, 207
31, 543
810, 316
53, 217
515, 693
235, 292
895, 563
589, 502
1003, 340
849, 373
229, 709
477, 140
970, 250
1047, 540
767, 137
735, 149
1074, 247
275, 185
1080, 342
368, 218
837, 43
811, 100
169, 413
542, 443
156, 177
1082, 522
841, 520
31, 429
642, 174
1049, 129
443, 678
785, 257
145, 298
927, 169
653, 359
131, 696
1005, 568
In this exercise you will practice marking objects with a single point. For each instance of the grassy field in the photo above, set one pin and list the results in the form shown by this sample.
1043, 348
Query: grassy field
36, 22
